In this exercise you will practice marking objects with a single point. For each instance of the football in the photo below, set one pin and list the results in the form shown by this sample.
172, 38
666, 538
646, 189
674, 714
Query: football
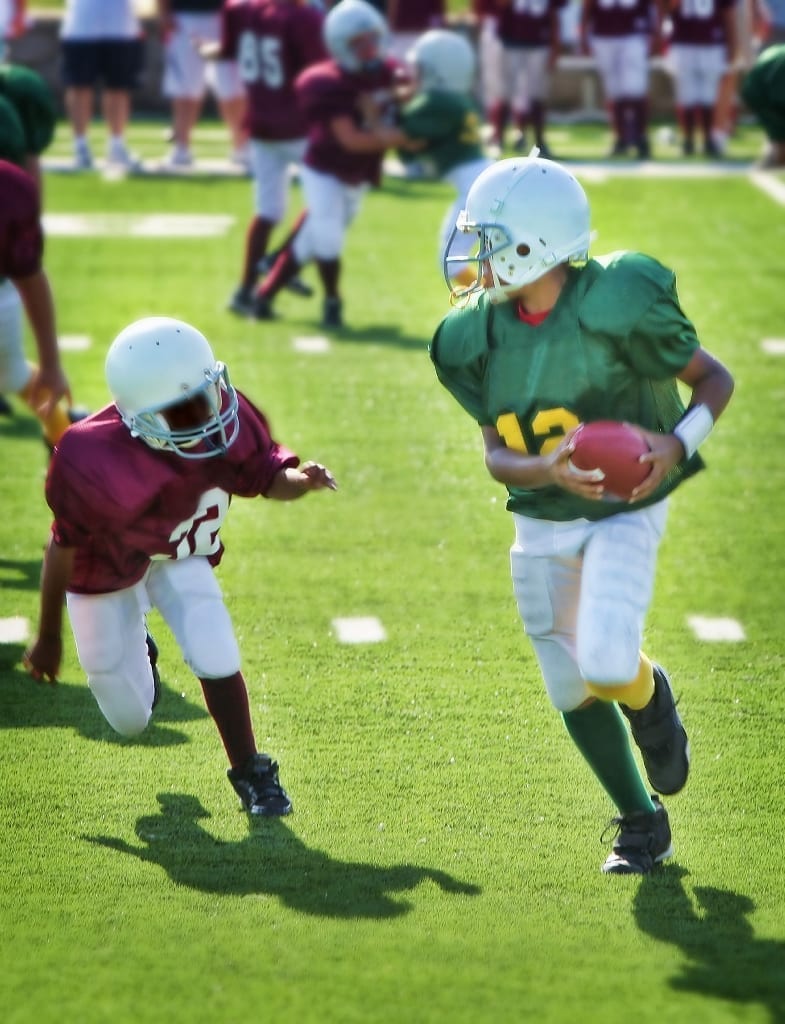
615, 449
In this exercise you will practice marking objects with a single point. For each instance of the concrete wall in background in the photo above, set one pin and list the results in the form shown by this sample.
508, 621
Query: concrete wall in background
575, 87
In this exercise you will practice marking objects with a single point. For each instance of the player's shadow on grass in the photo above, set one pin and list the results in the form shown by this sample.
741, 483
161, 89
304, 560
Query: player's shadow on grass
20, 573
724, 959
27, 704
272, 861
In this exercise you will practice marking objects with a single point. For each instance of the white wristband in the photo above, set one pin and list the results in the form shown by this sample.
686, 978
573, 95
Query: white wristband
693, 428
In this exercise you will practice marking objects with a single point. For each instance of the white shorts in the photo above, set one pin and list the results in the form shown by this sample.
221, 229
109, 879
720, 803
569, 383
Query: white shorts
109, 630
15, 371
697, 71
524, 77
270, 163
332, 206
490, 53
583, 589
623, 64
186, 74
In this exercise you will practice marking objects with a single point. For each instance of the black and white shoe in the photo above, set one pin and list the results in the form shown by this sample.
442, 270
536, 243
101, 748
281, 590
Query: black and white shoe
258, 787
661, 737
642, 839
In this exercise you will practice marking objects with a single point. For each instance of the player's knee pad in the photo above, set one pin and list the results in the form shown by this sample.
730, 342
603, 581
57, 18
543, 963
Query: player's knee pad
210, 646
609, 656
125, 706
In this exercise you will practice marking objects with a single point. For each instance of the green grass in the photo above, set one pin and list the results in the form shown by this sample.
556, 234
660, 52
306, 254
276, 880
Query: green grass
442, 864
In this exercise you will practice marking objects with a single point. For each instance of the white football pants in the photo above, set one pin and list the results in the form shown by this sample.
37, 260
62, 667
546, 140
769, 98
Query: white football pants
583, 589
623, 63
270, 162
332, 206
110, 632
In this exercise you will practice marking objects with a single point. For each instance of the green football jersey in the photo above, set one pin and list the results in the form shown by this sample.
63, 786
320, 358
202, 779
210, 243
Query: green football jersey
449, 123
609, 349
27, 92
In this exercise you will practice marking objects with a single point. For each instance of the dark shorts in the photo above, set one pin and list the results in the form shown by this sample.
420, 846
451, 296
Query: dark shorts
116, 63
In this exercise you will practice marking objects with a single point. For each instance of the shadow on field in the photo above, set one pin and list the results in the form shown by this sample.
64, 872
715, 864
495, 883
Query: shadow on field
26, 704
724, 958
20, 573
272, 861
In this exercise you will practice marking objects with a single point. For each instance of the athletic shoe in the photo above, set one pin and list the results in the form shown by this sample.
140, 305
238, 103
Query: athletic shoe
643, 839
257, 785
688, 147
5, 407
179, 156
294, 284
263, 308
712, 150
332, 315
242, 302
643, 149
118, 155
83, 158
152, 654
658, 731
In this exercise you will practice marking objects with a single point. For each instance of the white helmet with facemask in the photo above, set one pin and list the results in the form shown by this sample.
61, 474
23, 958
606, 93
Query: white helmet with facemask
444, 61
344, 23
157, 363
530, 215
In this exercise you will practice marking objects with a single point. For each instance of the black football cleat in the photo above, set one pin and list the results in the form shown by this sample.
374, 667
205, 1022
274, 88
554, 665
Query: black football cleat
152, 654
258, 787
263, 308
5, 407
661, 738
242, 302
294, 284
642, 840
332, 314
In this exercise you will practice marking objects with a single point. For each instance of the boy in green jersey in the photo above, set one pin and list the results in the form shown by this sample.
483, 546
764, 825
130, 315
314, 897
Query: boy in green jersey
548, 339
443, 115
763, 90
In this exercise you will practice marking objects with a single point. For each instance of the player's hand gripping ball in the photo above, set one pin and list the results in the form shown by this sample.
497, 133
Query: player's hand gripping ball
614, 448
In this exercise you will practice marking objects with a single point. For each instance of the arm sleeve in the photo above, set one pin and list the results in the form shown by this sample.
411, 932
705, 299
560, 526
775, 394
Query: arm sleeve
258, 458
460, 362
663, 340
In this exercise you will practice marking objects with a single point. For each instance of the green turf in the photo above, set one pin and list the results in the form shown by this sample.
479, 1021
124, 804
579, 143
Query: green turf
442, 863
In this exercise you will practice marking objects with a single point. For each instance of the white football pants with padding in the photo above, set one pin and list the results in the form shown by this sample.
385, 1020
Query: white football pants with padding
110, 634
583, 589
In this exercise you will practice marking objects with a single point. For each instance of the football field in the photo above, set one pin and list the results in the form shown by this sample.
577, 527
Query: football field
442, 862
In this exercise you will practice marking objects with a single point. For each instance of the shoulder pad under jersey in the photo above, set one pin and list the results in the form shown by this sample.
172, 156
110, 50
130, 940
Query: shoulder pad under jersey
622, 288
462, 337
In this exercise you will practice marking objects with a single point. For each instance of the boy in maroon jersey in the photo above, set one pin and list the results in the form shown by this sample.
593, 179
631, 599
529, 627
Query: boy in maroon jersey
349, 105
272, 41
44, 388
139, 491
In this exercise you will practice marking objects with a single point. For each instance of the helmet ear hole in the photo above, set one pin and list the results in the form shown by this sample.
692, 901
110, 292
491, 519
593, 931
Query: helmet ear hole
523, 250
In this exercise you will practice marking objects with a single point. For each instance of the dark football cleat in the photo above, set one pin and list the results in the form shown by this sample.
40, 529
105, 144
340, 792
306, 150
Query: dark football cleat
332, 314
5, 407
295, 284
241, 302
152, 654
257, 785
643, 148
661, 738
642, 840
263, 308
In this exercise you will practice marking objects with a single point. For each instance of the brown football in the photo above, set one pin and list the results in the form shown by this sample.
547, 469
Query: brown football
614, 448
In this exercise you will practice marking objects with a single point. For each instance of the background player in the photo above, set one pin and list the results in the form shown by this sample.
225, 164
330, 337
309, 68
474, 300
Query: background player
273, 41
139, 491
763, 90
349, 107
541, 346
444, 117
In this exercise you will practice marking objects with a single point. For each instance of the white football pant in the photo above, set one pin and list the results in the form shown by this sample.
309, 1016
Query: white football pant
332, 206
583, 589
15, 371
270, 162
623, 64
110, 635
697, 71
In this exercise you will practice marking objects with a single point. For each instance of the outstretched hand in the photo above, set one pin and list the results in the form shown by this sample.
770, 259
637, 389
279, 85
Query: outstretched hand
315, 477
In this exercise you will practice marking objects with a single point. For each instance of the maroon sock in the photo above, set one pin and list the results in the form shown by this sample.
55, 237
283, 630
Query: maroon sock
284, 269
329, 272
227, 702
256, 239
294, 230
640, 117
538, 121
521, 118
500, 111
706, 115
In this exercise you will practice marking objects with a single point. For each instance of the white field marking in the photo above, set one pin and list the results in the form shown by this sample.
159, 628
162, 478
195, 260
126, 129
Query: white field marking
315, 344
74, 342
365, 629
768, 183
716, 630
773, 346
15, 630
156, 225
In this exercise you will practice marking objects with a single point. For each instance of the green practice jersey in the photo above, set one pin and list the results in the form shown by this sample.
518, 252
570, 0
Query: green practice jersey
28, 108
449, 122
609, 349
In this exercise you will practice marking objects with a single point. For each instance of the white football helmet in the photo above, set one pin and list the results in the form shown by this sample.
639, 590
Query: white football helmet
444, 61
156, 363
530, 215
344, 22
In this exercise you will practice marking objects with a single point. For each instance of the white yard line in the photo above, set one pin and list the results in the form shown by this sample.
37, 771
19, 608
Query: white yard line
716, 630
366, 629
15, 630
74, 342
153, 225
314, 345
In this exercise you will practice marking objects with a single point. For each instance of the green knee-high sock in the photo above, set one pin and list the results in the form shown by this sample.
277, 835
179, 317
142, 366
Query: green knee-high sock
600, 734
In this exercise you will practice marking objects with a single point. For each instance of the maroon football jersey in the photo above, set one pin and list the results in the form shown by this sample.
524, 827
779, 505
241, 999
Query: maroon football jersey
272, 41
620, 17
21, 236
326, 91
528, 22
121, 503
414, 15
700, 22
